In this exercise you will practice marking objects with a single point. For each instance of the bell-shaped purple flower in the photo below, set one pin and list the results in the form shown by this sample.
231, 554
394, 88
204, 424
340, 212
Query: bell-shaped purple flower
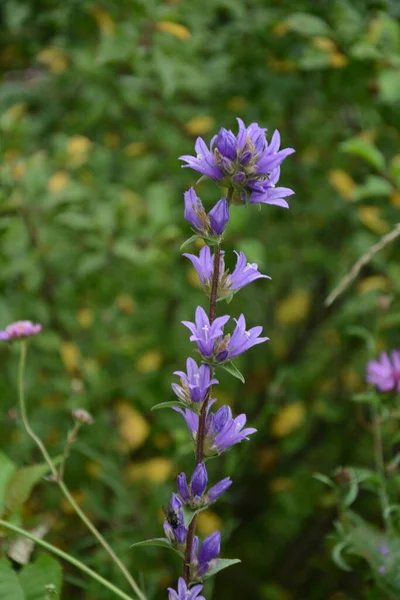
384, 373
205, 161
222, 430
20, 329
240, 341
174, 524
247, 162
195, 495
219, 217
218, 489
199, 480
184, 592
244, 273
204, 265
265, 192
195, 213
208, 551
195, 383
226, 144
204, 333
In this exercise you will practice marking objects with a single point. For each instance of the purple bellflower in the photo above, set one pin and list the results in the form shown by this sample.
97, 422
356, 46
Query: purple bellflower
243, 274
195, 384
194, 494
240, 341
207, 554
247, 162
384, 373
174, 524
20, 329
222, 430
204, 333
212, 224
184, 593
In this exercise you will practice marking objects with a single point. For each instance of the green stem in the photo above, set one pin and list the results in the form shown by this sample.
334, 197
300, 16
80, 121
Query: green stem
67, 557
380, 465
62, 485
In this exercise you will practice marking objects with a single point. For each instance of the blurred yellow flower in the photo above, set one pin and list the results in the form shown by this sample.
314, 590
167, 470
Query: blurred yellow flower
294, 308
149, 362
208, 522
199, 125
133, 427
375, 282
342, 183
54, 58
288, 419
58, 182
85, 317
70, 355
103, 19
370, 216
179, 31
155, 470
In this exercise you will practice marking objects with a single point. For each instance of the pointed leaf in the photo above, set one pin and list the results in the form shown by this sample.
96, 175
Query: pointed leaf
230, 367
223, 563
190, 240
324, 479
162, 542
367, 397
20, 485
34, 578
7, 468
365, 150
167, 405
365, 335
337, 556
9, 585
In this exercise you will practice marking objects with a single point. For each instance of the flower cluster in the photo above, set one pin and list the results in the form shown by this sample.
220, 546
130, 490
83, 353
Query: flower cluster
20, 330
384, 373
249, 167
246, 162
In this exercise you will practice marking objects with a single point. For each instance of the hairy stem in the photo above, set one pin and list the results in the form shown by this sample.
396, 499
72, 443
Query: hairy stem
62, 485
67, 557
212, 313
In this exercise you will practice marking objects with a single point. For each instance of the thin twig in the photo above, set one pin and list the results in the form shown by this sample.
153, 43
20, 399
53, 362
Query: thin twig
364, 260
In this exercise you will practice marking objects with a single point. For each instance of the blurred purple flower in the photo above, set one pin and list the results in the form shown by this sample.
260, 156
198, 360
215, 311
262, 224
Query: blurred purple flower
384, 373
185, 593
195, 383
20, 329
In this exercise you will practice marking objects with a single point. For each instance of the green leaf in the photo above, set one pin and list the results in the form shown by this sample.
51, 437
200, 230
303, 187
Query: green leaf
223, 563
364, 334
308, 25
373, 187
324, 479
7, 468
167, 405
20, 486
338, 558
351, 493
10, 588
389, 85
34, 578
230, 367
365, 150
187, 242
162, 542
367, 397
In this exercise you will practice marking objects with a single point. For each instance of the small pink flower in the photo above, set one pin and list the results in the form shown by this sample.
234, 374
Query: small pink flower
20, 329
384, 373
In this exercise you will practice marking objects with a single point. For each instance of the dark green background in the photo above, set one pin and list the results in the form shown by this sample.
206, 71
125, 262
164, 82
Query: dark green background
90, 235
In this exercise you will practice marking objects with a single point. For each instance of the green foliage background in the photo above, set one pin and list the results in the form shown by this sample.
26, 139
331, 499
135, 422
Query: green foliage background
97, 101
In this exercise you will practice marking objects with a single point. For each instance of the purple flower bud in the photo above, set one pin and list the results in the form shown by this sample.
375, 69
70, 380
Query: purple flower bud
183, 487
199, 480
210, 548
194, 212
227, 166
239, 178
20, 329
246, 157
219, 488
226, 143
219, 216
